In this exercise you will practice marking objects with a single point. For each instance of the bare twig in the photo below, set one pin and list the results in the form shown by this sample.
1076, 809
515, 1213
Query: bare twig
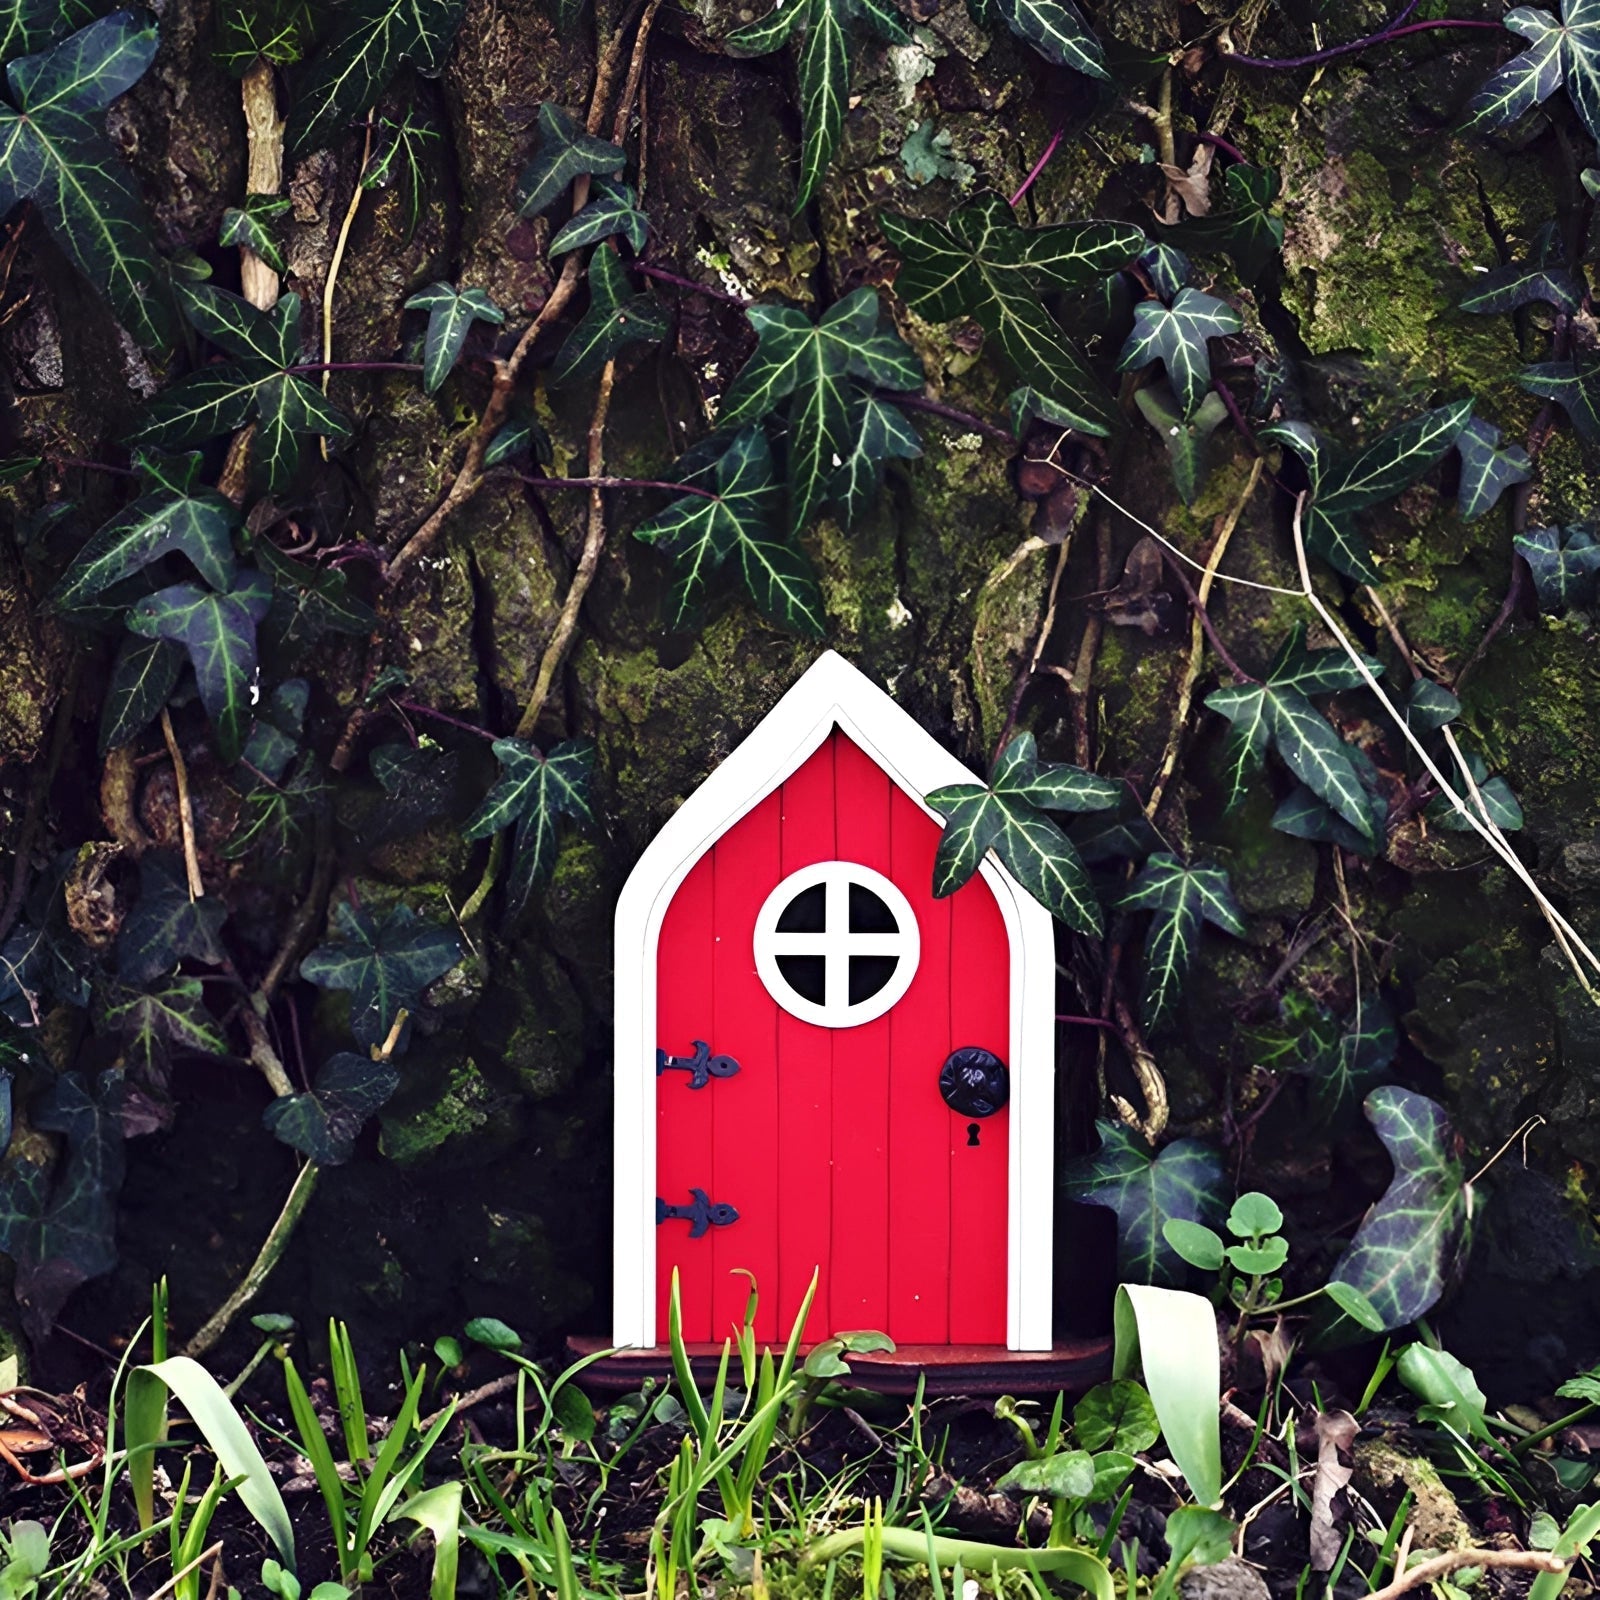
184, 1571
1436, 1567
180, 772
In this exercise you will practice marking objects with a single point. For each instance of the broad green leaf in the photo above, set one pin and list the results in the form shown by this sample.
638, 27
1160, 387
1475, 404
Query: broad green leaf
701, 531
1200, 1246
1181, 898
822, 66
323, 1123
614, 210
371, 41
218, 631
1067, 1475
308, 602
1197, 1536
240, 329
1498, 801
30, 25
1562, 52
1185, 438
166, 926
1116, 1416
876, 431
1564, 562
1184, 1180
981, 264
54, 152
1574, 386
521, 433
1315, 671
197, 526
280, 723
1248, 738
1046, 863
1053, 786
143, 677
1243, 225
385, 967
818, 373
1177, 336
1447, 1388
1430, 705
973, 820
1258, 1260
1317, 756
250, 227
1056, 29
1407, 1247
1488, 468
492, 1333
1354, 1305
565, 153
532, 794
1167, 268
165, 1016
451, 313
1523, 283
616, 318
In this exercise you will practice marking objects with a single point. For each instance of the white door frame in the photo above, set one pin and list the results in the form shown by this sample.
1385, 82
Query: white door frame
831, 693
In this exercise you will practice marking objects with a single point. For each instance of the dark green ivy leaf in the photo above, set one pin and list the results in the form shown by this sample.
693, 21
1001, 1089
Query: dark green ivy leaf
323, 1124
1574, 386
877, 431
405, 157
30, 25
565, 152
616, 318
159, 1018
1564, 562
218, 632
1056, 29
1304, 816
142, 678
1182, 898
532, 794
307, 601
701, 531
1185, 438
521, 433
451, 313
1408, 1245
1498, 800
1167, 268
613, 210
1523, 283
1565, 51
250, 227
979, 263
1488, 468
54, 152
1429, 705
166, 926
257, 383
384, 967
1184, 1181
810, 370
280, 723
371, 42
822, 66
1243, 225
1177, 336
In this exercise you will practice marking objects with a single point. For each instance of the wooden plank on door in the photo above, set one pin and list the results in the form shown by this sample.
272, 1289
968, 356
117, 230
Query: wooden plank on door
980, 1014
745, 1107
684, 1008
919, 1123
805, 1078
858, 1291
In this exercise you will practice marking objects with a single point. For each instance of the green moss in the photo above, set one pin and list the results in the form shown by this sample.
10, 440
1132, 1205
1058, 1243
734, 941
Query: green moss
460, 1117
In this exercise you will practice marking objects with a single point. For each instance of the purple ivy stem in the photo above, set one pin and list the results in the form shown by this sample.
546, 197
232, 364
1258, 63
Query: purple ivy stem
1041, 163
1218, 142
937, 408
1088, 1022
1383, 36
356, 366
616, 483
419, 710
664, 276
91, 466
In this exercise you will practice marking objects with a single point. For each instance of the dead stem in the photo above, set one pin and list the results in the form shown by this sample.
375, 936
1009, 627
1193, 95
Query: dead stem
180, 772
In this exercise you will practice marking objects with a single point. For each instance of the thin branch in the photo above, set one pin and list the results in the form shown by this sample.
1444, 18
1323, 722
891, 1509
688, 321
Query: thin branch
1203, 616
416, 708
662, 275
1436, 1567
1333, 52
333, 266
937, 408
180, 772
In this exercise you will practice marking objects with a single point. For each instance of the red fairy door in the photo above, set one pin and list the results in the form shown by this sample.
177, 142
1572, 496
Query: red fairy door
810, 993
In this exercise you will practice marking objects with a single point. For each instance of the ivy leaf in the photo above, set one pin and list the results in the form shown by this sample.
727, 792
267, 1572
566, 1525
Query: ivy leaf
1362, 1054
979, 263
1409, 1243
1525, 282
218, 631
451, 313
1575, 387
308, 602
616, 318
1343, 484
30, 25
1185, 438
1068, 1474
1497, 797
1566, 52
324, 1123
1056, 29
822, 67
809, 369
384, 966
155, 525
1304, 816
1429, 705
250, 227
279, 726
520, 433
1488, 468
532, 794
1564, 562
1184, 1181
166, 925
54, 152
373, 40
614, 210
565, 153
877, 431
1167, 268
701, 531
404, 158
1182, 898
1176, 336
258, 383
142, 679
1243, 225
158, 1018
1006, 817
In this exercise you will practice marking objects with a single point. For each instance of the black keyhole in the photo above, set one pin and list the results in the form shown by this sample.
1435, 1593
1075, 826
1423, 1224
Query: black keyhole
972, 1136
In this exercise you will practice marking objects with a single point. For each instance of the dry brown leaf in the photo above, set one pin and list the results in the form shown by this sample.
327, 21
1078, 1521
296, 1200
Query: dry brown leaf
1189, 186
1336, 1430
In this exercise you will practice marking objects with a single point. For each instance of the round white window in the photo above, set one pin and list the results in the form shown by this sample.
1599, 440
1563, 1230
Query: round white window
836, 944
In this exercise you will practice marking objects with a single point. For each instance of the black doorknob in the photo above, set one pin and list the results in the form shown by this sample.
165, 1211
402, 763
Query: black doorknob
974, 1082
